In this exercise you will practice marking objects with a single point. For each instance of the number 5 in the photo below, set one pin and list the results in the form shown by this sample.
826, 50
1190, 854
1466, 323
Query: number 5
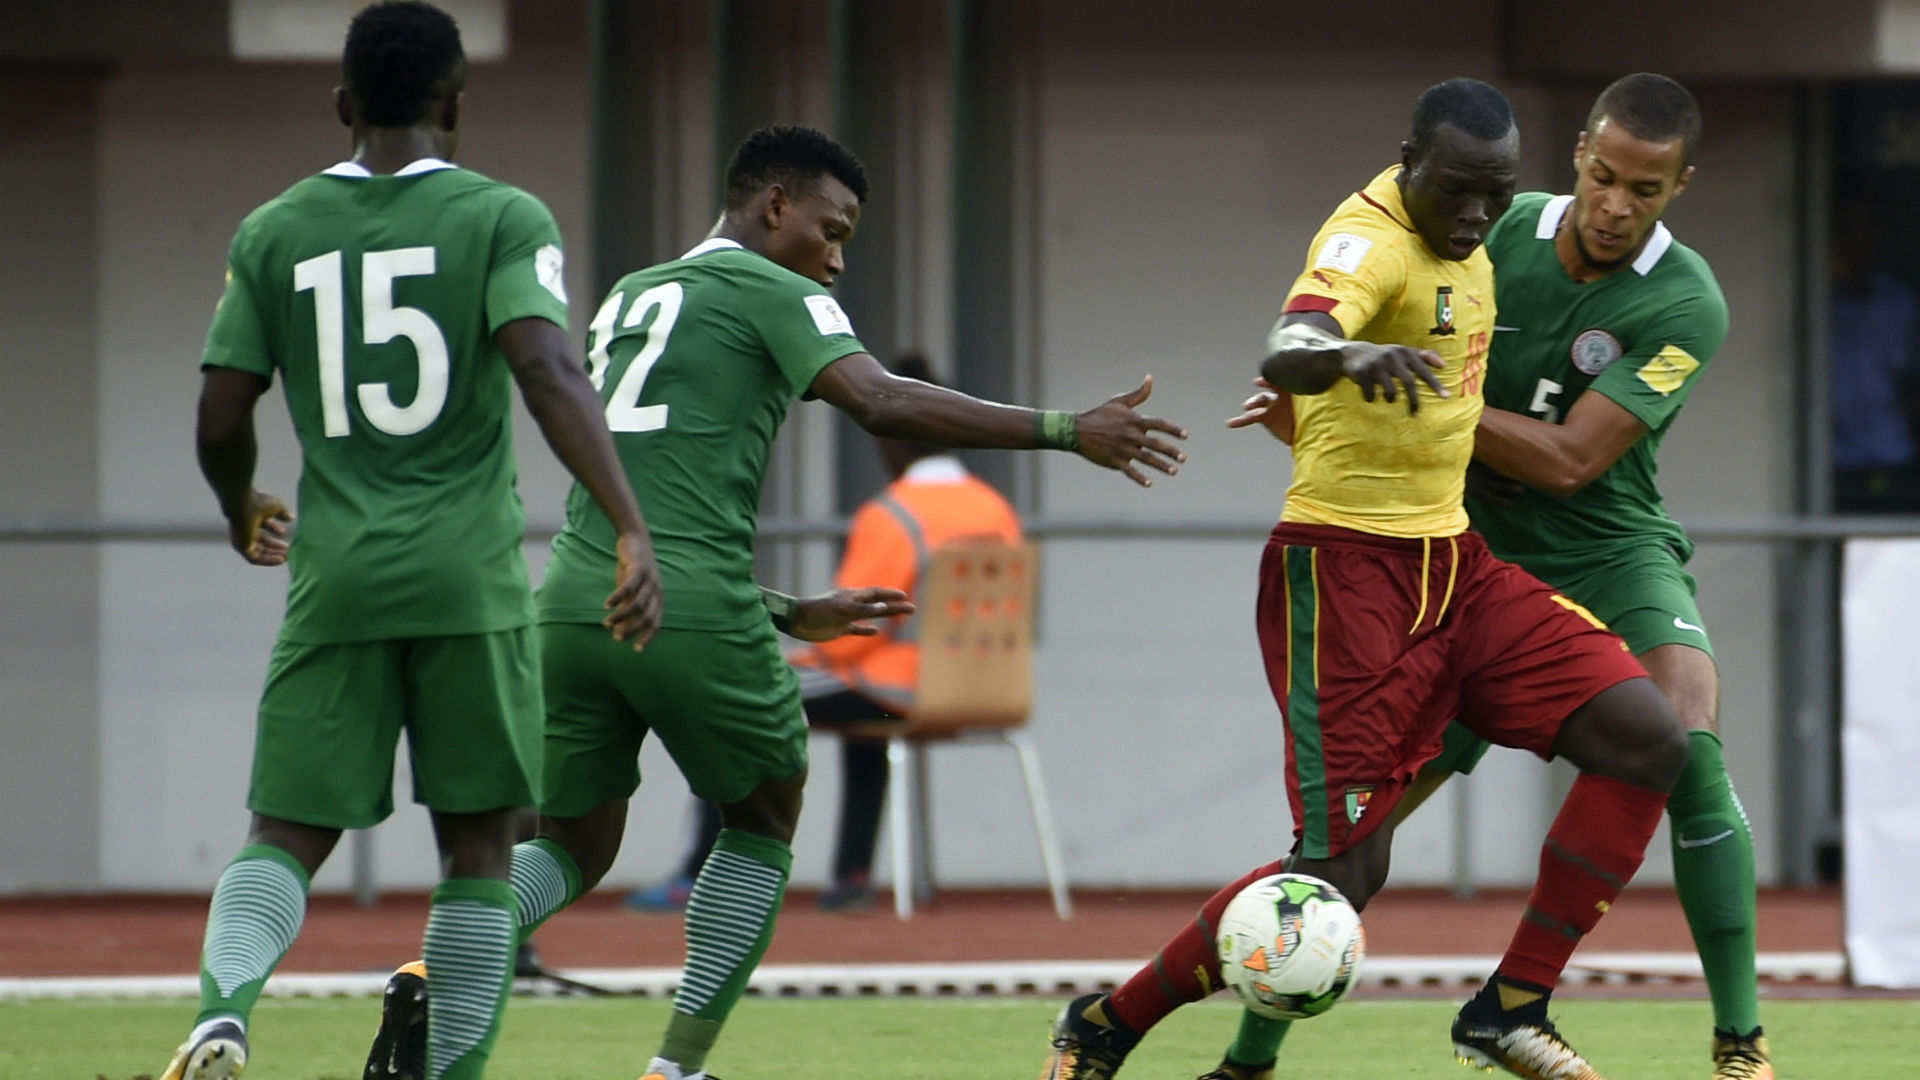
1547, 410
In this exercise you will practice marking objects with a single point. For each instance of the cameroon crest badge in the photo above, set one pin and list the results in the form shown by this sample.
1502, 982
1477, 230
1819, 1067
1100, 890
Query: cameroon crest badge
1442, 311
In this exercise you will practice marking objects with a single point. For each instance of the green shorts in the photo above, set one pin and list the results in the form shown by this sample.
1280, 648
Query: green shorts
331, 714
1641, 593
724, 703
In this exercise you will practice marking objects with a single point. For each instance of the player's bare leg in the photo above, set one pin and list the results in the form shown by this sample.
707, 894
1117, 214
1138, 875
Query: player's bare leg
1630, 749
1713, 863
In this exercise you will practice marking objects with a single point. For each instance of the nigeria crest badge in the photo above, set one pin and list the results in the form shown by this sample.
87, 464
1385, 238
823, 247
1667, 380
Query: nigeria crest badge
1595, 351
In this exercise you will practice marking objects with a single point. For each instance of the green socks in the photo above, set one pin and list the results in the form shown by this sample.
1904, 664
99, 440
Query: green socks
544, 879
255, 915
1258, 1040
469, 953
1713, 872
729, 923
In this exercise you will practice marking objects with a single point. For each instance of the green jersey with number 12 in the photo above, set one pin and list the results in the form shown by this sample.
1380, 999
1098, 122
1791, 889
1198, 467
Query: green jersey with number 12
698, 361
1642, 337
377, 298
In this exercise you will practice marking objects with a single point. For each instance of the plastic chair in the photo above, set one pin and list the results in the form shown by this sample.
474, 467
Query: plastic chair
976, 685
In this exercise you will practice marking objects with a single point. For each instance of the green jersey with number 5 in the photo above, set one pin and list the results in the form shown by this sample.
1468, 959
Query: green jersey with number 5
698, 361
376, 298
1641, 337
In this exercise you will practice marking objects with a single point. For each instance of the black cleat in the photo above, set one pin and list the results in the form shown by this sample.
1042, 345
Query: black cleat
400, 1046
1088, 1044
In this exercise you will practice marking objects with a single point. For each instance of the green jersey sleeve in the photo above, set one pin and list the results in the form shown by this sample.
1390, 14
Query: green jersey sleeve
525, 278
237, 338
1654, 379
804, 330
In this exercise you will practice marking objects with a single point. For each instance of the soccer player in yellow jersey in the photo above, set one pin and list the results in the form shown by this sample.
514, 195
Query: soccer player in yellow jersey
1382, 619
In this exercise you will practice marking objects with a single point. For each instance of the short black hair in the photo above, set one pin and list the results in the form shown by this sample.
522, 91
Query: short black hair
401, 57
796, 158
1651, 107
1476, 108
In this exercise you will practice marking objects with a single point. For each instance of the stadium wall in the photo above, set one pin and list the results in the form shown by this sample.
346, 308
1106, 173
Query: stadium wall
131, 671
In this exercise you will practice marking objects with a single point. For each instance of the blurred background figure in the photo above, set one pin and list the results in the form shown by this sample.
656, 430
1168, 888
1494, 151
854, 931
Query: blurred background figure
1876, 395
933, 500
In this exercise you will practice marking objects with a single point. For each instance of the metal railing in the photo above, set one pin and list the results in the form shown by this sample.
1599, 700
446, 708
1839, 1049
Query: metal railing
1807, 575
1759, 530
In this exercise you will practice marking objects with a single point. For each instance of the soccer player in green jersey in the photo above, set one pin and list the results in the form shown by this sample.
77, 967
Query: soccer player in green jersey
398, 297
1605, 325
698, 361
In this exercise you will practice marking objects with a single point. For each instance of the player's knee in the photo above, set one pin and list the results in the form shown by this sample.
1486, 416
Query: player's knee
772, 810
1654, 748
591, 840
1667, 758
308, 844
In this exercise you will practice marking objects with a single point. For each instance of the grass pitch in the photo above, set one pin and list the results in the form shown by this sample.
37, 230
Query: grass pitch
906, 1039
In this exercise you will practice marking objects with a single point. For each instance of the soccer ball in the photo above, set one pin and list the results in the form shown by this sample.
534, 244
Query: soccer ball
1290, 946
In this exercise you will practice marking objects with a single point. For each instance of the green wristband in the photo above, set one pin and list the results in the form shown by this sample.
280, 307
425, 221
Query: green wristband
1056, 429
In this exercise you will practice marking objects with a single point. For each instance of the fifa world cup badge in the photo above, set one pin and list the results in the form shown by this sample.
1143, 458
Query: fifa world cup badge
1442, 311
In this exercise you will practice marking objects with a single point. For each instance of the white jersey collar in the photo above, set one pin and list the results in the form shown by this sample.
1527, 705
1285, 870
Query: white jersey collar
717, 243
353, 170
1657, 244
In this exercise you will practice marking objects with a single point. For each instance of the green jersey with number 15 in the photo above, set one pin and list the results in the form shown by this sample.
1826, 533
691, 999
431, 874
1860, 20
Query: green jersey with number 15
1642, 337
698, 361
377, 298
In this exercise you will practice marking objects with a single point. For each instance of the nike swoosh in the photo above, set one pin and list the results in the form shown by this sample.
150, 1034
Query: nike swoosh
1506, 329
1714, 839
1685, 625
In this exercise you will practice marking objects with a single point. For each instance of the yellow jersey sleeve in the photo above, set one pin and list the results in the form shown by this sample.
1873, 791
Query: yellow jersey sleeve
1355, 270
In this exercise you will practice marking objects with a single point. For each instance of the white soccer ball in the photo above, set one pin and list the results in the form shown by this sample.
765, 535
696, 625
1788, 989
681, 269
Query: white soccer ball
1290, 946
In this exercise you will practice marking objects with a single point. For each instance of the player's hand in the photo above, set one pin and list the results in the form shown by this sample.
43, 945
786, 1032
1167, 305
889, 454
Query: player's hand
1270, 408
633, 611
1113, 435
846, 611
1392, 370
259, 531
1491, 487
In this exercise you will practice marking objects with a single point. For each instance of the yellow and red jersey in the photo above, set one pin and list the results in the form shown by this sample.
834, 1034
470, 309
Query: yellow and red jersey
1366, 465
893, 537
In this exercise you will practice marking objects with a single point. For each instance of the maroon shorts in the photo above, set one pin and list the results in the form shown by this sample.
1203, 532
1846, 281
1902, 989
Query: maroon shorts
1373, 644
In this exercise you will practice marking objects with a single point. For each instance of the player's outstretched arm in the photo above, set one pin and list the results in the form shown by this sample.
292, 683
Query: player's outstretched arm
1307, 353
569, 413
1111, 434
228, 450
833, 614
1558, 459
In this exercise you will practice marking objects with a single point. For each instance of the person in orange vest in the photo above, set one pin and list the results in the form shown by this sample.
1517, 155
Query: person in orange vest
933, 500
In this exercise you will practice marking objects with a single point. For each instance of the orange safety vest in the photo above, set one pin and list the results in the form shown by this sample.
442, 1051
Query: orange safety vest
892, 540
